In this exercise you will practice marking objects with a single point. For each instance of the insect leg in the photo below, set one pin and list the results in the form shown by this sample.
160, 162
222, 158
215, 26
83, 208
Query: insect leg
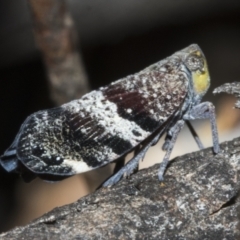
168, 138
132, 164
174, 133
195, 135
205, 110
193, 132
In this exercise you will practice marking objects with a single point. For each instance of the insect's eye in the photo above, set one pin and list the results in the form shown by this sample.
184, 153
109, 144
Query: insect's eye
194, 63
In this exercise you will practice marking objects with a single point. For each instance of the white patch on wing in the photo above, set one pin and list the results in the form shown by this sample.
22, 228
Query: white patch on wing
106, 114
77, 167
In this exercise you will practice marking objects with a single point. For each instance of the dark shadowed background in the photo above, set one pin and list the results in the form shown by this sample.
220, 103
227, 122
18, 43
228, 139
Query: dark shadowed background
116, 38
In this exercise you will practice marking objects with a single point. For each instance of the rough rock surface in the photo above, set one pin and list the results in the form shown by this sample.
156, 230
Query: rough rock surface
198, 200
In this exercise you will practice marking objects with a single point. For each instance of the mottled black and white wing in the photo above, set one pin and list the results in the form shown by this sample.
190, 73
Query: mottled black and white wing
103, 125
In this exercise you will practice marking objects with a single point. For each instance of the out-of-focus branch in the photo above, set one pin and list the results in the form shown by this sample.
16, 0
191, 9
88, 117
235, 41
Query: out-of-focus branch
231, 88
56, 37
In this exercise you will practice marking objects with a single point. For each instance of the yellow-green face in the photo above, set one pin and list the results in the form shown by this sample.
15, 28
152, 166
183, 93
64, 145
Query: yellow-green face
197, 64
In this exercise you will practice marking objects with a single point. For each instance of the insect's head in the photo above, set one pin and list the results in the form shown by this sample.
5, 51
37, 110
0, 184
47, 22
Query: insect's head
195, 61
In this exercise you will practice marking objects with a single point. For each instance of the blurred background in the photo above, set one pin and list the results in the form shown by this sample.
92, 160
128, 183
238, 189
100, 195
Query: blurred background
53, 51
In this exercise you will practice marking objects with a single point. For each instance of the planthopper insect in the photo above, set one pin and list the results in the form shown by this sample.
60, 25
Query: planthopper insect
106, 124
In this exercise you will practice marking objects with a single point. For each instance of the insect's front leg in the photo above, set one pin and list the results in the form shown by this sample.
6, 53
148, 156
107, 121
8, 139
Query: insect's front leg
205, 110
174, 131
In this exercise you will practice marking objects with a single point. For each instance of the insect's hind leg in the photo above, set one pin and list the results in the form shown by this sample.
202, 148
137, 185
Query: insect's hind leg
170, 144
132, 164
205, 110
